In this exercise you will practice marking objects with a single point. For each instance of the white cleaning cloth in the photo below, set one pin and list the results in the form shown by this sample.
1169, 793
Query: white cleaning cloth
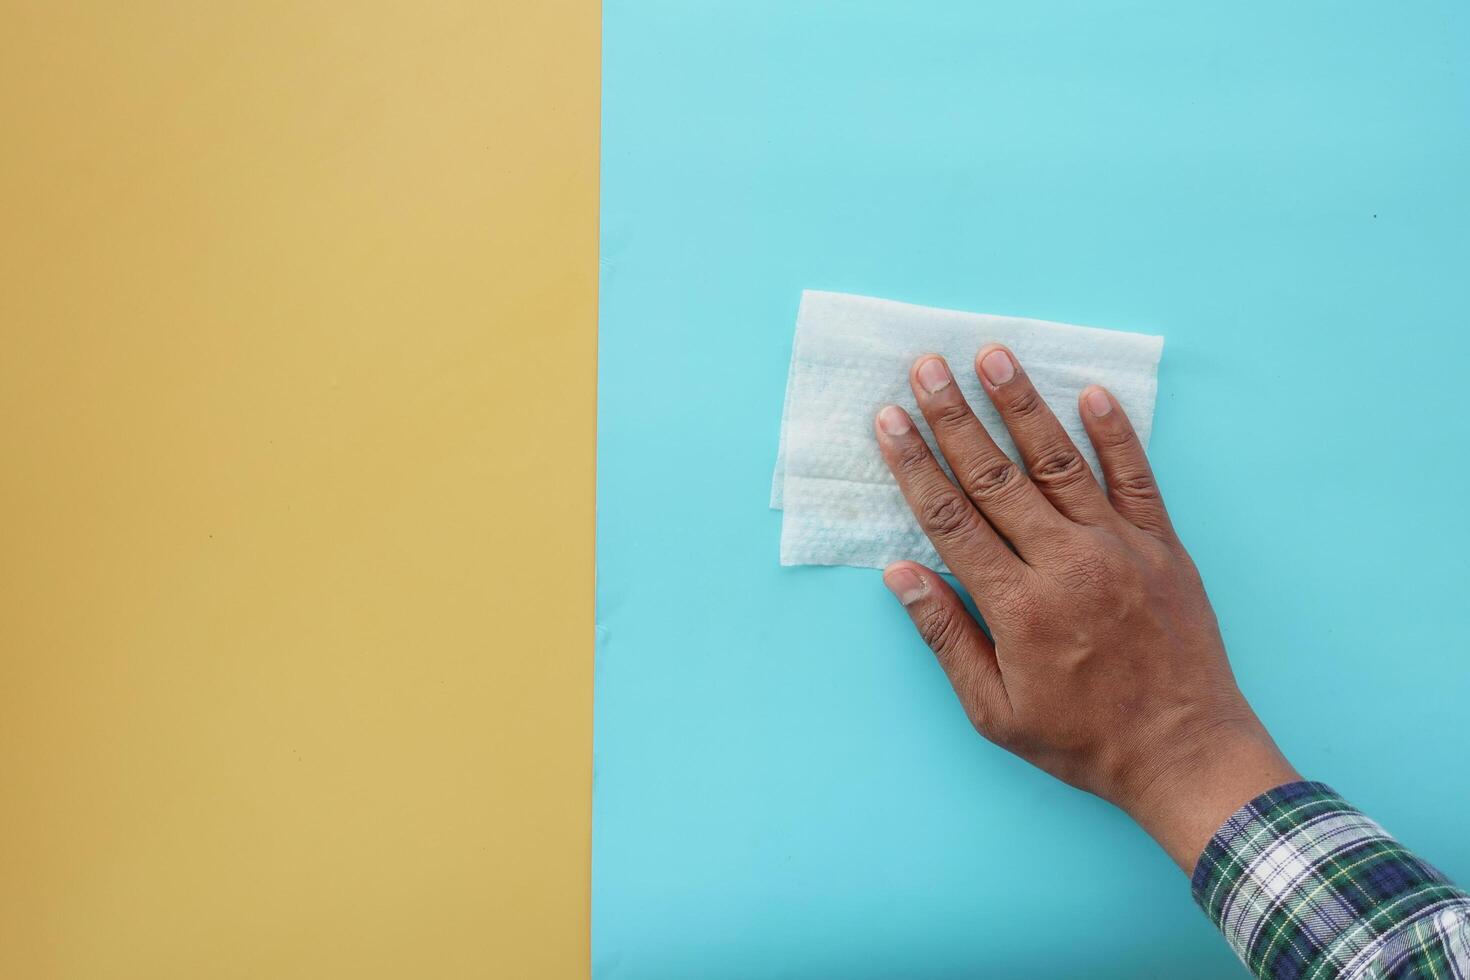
851, 357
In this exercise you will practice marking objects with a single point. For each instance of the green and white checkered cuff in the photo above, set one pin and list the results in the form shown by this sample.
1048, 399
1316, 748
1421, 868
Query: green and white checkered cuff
1306, 887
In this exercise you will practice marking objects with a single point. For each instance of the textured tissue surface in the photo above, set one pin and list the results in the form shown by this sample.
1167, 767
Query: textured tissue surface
851, 357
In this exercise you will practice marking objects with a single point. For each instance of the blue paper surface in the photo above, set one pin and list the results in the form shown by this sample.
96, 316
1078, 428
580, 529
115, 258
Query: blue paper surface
785, 785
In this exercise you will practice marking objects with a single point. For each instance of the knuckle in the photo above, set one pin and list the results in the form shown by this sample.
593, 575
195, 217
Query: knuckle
913, 458
940, 628
1156, 555
990, 726
988, 479
1162, 562
1025, 404
1059, 468
1135, 485
1117, 437
978, 698
945, 514
951, 416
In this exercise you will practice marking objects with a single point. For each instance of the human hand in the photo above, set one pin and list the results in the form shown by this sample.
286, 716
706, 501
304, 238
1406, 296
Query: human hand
1106, 667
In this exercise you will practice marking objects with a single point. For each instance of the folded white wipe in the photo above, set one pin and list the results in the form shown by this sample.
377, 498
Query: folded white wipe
851, 357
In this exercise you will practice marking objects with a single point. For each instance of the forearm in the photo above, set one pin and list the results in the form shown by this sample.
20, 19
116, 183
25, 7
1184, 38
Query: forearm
1303, 885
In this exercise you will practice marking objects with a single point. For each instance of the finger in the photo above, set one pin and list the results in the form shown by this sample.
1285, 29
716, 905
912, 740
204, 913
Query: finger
961, 646
1052, 460
968, 545
1130, 479
997, 486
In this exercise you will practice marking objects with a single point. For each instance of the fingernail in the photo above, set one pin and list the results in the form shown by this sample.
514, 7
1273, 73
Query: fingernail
905, 583
933, 375
998, 367
894, 421
1098, 402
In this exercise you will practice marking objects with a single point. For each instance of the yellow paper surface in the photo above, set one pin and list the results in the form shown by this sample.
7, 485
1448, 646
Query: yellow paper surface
297, 370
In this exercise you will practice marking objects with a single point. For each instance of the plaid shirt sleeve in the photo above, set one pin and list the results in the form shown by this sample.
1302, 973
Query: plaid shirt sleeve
1305, 887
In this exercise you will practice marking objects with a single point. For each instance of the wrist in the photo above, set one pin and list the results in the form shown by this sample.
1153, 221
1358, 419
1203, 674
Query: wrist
1185, 797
